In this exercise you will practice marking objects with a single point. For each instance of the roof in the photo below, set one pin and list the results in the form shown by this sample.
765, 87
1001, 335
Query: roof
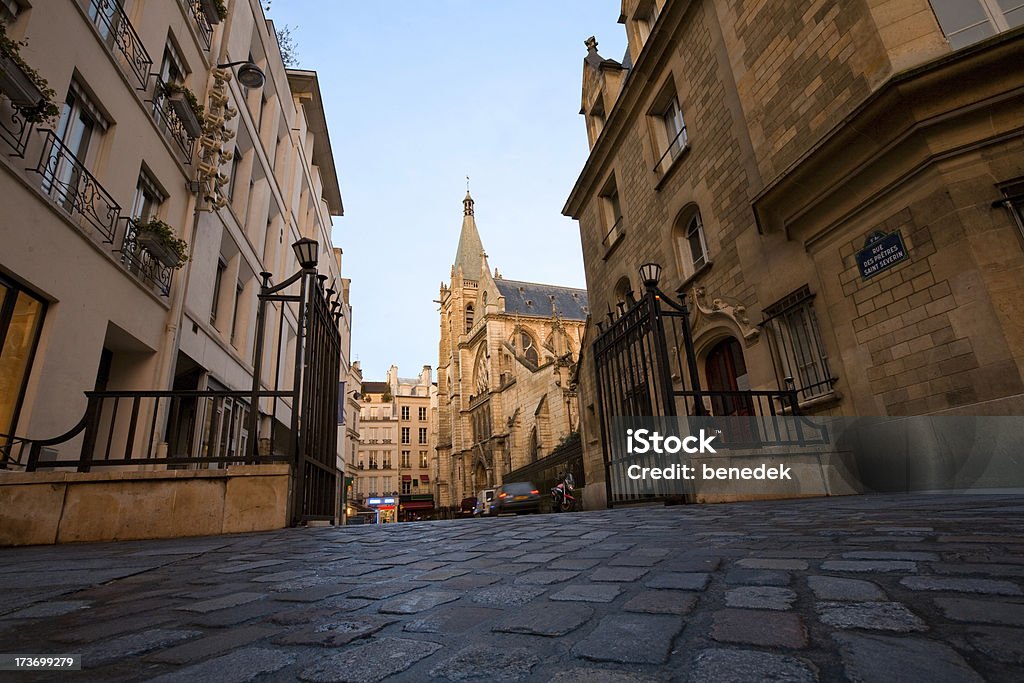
531, 298
470, 254
304, 83
376, 388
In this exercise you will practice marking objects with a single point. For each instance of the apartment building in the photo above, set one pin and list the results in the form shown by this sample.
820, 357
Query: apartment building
182, 161
396, 446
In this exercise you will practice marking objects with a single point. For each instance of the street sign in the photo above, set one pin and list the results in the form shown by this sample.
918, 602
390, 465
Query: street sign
880, 253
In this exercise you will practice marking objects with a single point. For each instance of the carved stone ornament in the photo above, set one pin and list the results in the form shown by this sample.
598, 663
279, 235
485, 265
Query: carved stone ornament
720, 308
212, 154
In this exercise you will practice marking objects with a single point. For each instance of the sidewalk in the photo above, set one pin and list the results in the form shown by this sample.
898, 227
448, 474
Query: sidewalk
882, 588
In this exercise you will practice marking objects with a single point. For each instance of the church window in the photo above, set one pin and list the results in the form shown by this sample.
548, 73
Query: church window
482, 373
527, 348
469, 318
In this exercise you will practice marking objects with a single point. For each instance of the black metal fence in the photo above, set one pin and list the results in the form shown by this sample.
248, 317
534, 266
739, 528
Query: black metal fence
547, 472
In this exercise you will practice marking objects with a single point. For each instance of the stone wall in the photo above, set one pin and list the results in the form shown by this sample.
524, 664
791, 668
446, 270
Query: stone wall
65, 507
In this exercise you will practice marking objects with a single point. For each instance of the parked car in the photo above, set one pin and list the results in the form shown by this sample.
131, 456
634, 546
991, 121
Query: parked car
484, 502
517, 497
466, 508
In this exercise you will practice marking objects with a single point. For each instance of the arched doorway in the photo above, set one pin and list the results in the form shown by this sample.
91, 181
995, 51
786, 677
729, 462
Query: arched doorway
726, 371
479, 478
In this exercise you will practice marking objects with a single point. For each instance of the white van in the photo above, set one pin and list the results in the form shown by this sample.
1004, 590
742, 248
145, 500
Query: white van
484, 500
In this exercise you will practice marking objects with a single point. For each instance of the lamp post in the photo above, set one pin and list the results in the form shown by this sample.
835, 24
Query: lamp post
249, 75
306, 252
650, 273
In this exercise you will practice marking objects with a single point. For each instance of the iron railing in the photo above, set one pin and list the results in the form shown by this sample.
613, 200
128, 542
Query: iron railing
676, 146
176, 429
547, 472
170, 123
798, 353
74, 189
15, 129
141, 263
121, 38
613, 234
202, 25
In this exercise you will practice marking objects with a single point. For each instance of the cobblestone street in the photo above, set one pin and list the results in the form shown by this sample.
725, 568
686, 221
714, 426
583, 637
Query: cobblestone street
908, 588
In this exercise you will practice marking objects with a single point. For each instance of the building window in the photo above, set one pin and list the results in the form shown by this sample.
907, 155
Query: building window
218, 283
405, 459
469, 317
668, 127
596, 119
148, 197
386, 485
385, 463
527, 347
797, 350
422, 414
373, 486
80, 120
423, 460
236, 162
967, 21
406, 440
405, 412
406, 487
612, 209
239, 299
645, 18
373, 460
690, 244
21, 319
423, 436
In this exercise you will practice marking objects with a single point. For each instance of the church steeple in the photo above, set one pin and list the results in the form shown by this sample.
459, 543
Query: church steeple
469, 259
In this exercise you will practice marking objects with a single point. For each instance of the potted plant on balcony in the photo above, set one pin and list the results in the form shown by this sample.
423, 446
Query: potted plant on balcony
185, 104
214, 10
159, 240
27, 90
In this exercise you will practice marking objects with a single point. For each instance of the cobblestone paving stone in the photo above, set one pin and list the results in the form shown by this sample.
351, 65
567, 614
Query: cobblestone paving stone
870, 588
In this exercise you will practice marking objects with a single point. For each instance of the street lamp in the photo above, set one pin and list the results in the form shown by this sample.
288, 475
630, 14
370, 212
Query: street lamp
249, 75
650, 273
306, 252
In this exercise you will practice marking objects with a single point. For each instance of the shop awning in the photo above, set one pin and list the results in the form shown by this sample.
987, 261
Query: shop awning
406, 477
425, 478
418, 505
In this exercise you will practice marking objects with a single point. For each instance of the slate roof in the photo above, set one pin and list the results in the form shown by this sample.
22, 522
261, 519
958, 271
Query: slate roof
530, 298
375, 388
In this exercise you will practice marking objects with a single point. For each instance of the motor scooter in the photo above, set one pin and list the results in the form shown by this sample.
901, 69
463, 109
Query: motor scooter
562, 498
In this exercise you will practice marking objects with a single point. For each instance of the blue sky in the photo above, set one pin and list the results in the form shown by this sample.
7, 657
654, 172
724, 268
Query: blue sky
418, 96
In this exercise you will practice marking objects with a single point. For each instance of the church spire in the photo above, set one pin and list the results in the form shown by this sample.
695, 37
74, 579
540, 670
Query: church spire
469, 259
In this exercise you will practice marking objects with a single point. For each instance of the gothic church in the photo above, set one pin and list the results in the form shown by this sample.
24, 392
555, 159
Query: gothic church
506, 370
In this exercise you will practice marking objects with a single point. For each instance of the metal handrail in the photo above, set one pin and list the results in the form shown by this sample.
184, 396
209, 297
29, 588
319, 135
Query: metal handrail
614, 228
113, 24
167, 116
672, 145
203, 27
70, 184
141, 262
15, 129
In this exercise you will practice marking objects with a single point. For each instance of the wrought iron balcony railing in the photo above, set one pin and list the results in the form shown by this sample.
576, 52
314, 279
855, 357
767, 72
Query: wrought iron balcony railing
202, 24
169, 121
120, 37
14, 128
71, 187
141, 263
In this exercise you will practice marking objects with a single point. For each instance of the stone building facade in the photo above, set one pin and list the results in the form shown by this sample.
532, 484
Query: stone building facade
395, 456
95, 308
506, 364
762, 151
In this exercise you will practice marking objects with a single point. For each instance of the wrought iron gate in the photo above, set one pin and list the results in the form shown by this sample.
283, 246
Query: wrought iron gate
645, 366
313, 434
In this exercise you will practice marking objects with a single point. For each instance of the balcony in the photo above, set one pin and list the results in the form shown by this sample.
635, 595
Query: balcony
76, 191
141, 263
202, 26
171, 123
121, 39
15, 129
